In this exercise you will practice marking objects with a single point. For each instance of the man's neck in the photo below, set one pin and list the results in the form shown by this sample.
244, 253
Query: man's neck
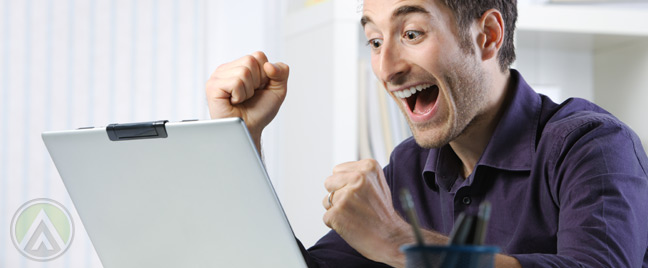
470, 145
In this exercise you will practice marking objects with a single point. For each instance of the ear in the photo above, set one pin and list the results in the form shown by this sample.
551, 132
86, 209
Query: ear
490, 36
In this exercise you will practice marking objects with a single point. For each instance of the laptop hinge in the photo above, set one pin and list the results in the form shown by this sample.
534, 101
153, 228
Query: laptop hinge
134, 131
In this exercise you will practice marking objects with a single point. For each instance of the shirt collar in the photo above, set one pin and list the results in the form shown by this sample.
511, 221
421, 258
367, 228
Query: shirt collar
510, 148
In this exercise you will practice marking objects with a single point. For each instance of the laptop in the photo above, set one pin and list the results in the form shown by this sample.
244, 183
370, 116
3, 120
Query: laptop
174, 194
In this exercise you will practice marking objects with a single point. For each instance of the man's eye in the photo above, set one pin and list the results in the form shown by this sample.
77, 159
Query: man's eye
374, 43
412, 35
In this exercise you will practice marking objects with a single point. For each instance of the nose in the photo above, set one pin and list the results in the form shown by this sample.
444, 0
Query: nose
391, 64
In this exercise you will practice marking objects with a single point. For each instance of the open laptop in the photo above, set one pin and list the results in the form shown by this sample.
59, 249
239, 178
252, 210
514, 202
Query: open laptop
184, 194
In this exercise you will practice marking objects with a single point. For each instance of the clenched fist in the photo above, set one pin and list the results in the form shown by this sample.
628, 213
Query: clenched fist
250, 88
362, 213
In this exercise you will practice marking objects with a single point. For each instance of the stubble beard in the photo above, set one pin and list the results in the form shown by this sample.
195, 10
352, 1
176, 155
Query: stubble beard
466, 90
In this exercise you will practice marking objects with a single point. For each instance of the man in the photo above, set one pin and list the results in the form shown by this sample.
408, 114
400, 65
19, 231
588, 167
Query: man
568, 183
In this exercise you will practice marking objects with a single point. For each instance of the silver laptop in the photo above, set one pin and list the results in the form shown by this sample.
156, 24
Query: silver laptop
185, 194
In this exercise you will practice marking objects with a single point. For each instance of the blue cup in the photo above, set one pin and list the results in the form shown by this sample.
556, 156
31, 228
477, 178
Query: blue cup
449, 256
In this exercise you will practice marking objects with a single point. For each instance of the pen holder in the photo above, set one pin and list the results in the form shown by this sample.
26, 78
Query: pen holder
449, 256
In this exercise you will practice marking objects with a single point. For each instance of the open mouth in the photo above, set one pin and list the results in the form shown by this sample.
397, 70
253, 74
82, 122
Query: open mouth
420, 99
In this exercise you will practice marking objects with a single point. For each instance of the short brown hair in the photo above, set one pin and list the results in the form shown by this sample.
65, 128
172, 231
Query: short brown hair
467, 11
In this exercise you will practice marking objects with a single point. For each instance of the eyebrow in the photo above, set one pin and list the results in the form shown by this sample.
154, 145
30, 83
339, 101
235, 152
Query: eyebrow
399, 12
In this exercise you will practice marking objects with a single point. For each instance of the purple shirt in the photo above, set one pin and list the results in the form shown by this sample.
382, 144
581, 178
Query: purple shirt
568, 186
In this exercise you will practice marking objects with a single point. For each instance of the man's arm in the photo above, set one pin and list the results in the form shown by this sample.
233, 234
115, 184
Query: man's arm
250, 88
600, 185
363, 215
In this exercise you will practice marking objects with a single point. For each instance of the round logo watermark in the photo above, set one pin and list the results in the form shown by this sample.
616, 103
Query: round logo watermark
42, 229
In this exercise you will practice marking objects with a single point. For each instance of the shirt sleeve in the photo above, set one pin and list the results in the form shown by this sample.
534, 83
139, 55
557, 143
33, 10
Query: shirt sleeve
600, 184
331, 251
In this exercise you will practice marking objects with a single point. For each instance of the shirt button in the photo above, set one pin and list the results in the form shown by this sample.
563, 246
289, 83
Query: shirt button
466, 200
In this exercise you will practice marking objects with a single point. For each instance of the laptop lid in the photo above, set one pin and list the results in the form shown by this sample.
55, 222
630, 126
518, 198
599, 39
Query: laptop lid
185, 194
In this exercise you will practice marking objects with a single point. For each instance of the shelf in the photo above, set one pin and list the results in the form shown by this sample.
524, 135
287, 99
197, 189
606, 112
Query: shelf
573, 41
597, 19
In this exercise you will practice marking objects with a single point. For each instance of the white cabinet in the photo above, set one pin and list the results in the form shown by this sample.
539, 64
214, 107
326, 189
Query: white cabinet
598, 52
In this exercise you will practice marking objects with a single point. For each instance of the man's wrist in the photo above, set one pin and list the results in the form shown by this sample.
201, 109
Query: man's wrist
257, 143
503, 261
406, 237
256, 138
402, 236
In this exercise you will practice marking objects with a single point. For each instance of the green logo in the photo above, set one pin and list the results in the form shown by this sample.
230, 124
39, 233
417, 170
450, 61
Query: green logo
42, 229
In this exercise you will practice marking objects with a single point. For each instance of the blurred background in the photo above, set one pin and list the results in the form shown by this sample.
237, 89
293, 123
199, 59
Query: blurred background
73, 63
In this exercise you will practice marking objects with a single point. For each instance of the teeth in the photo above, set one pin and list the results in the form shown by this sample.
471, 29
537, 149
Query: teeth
408, 92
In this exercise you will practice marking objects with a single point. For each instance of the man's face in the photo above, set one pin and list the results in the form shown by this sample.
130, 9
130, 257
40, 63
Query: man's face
416, 54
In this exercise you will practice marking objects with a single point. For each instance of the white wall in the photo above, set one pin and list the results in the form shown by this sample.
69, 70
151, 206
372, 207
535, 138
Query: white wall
556, 64
609, 70
319, 117
307, 132
621, 83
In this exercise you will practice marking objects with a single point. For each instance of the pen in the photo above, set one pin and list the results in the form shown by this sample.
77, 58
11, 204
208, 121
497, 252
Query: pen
408, 206
462, 229
482, 223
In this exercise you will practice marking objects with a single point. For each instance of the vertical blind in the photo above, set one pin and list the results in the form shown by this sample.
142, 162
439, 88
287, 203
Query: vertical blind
66, 64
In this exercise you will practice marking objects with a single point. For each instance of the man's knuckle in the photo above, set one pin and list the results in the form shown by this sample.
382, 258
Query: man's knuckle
356, 175
215, 87
337, 169
328, 182
357, 180
327, 219
259, 55
368, 164
238, 83
249, 60
374, 163
219, 68
245, 73
342, 201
